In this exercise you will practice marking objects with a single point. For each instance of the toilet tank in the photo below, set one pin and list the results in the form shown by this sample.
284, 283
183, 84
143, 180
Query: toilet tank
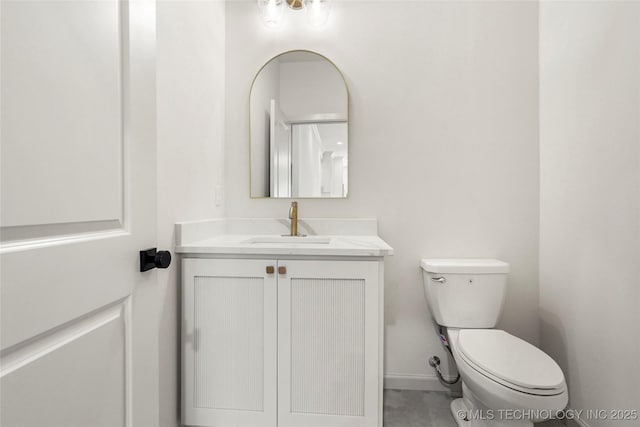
465, 293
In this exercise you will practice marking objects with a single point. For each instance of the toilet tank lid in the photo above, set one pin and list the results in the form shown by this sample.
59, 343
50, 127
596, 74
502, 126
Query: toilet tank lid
464, 266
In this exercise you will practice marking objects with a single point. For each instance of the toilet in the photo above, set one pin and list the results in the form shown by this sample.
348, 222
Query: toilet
506, 382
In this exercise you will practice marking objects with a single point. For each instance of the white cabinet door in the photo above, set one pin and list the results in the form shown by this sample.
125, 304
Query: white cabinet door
328, 344
79, 321
229, 343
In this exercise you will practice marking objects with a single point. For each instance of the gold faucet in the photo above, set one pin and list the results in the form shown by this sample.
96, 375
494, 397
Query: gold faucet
293, 216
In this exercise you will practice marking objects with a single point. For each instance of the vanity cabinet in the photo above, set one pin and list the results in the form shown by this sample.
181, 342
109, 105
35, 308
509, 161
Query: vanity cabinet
282, 342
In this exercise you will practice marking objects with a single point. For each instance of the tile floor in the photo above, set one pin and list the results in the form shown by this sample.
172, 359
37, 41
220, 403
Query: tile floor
409, 408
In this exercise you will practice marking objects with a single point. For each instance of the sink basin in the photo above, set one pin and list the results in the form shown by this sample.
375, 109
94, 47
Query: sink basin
322, 240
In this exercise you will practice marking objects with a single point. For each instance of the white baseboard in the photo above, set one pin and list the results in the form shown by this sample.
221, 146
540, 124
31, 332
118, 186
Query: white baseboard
414, 382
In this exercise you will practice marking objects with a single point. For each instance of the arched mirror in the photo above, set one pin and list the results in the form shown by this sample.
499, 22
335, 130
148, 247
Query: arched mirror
299, 128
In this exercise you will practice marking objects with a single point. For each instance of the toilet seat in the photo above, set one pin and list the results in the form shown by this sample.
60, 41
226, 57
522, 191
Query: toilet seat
510, 361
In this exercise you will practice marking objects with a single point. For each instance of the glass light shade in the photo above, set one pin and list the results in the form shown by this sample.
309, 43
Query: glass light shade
317, 11
271, 12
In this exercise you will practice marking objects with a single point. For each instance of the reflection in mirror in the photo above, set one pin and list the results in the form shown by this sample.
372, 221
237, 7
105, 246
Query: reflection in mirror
299, 128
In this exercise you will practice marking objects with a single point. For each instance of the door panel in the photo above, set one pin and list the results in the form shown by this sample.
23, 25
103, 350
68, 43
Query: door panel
328, 343
229, 343
61, 386
229, 354
327, 346
79, 333
61, 73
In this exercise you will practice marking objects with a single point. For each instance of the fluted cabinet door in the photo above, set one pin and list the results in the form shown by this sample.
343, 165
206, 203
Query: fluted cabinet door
328, 344
229, 343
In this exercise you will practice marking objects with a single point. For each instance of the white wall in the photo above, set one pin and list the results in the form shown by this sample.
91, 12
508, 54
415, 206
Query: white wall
443, 144
190, 96
590, 200
310, 88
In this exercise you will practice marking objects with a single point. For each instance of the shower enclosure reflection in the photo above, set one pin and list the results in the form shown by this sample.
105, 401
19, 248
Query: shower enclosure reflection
299, 128
310, 160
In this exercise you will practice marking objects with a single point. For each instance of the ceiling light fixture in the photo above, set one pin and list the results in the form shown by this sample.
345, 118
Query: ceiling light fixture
272, 11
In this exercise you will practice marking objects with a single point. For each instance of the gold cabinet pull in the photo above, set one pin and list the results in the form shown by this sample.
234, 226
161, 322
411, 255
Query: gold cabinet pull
282, 270
270, 269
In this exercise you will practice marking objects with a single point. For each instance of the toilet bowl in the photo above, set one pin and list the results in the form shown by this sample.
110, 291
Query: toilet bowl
515, 386
506, 382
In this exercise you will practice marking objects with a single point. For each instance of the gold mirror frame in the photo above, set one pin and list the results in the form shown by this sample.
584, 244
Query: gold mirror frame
346, 87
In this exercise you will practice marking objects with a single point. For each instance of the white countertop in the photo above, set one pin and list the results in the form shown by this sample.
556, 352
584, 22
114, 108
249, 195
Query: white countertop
233, 237
338, 246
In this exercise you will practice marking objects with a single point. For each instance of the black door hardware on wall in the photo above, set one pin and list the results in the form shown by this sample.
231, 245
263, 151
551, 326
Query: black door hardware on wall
152, 258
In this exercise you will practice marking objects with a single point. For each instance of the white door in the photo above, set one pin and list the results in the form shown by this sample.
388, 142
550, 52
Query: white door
280, 152
328, 344
79, 326
229, 342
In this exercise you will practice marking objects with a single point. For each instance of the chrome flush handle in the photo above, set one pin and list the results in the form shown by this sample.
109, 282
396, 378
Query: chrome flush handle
441, 280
